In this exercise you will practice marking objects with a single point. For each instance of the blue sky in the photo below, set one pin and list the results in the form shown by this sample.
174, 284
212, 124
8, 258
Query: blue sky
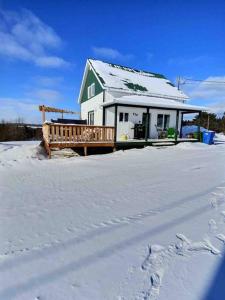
44, 46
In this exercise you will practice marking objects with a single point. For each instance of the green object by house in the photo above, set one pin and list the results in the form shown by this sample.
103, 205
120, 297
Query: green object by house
171, 133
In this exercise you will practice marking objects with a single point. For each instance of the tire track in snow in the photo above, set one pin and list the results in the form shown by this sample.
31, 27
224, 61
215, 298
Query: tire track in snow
97, 226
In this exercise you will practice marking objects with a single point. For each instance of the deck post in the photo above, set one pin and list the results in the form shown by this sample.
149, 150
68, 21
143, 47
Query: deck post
199, 125
85, 151
115, 122
43, 115
177, 122
147, 125
103, 116
181, 124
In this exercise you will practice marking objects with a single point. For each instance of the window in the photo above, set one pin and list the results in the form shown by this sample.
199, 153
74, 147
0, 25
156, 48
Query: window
160, 121
123, 117
91, 90
163, 121
166, 121
91, 118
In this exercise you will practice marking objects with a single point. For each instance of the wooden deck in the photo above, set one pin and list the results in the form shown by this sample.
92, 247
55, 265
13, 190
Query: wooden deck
72, 136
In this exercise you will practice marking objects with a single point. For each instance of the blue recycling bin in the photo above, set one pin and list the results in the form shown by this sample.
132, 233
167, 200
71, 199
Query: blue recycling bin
208, 137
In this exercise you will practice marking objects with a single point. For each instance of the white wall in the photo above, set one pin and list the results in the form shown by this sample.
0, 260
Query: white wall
153, 120
135, 117
109, 116
93, 104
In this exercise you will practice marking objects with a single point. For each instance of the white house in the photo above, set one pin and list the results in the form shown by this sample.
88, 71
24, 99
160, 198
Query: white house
139, 104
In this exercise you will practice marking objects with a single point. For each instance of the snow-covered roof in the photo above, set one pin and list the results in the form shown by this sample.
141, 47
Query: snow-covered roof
136, 81
155, 102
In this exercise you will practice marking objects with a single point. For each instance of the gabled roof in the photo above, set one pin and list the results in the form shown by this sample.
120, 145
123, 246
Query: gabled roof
134, 81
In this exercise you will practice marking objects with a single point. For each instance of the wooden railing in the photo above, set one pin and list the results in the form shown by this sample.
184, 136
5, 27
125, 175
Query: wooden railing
63, 133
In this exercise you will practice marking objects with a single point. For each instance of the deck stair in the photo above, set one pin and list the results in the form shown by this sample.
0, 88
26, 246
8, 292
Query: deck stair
164, 143
64, 153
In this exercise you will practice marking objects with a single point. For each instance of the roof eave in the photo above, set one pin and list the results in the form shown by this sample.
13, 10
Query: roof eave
108, 88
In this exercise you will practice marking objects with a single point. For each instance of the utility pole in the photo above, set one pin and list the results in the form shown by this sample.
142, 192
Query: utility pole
208, 123
178, 82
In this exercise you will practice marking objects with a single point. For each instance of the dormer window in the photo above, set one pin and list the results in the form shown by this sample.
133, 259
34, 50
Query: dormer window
91, 90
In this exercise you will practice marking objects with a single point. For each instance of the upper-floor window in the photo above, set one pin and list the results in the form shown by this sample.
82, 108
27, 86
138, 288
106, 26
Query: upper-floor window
91, 90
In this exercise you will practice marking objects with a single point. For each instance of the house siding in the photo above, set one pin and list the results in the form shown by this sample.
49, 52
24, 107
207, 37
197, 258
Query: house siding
93, 104
91, 78
135, 117
109, 116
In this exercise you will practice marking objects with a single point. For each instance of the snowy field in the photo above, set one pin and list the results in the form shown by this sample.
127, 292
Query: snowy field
137, 224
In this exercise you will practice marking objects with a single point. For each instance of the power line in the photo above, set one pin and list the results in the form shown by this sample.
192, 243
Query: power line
182, 81
202, 80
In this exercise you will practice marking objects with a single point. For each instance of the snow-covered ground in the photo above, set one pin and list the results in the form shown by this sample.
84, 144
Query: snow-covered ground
137, 224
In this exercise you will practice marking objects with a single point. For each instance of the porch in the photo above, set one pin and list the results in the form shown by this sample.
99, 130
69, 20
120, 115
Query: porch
156, 125
153, 142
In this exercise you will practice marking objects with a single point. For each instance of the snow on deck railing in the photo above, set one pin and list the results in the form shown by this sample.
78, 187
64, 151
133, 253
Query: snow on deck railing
64, 133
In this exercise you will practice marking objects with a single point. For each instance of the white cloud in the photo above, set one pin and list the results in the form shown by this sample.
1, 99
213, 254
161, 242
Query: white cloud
47, 81
51, 61
110, 53
45, 95
26, 109
212, 94
24, 36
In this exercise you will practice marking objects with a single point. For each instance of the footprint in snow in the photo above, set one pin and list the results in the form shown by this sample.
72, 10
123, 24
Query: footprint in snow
221, 237
188, 245
223, 215
153, 252
155, 280
214, 203
212, 226
155, 263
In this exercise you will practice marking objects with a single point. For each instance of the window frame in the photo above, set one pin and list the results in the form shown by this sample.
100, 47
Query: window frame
91, 117
165, 117
91, 90
124, 117
160, 126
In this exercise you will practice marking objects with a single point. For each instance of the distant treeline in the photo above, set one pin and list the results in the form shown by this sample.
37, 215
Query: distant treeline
19, 131
209, 121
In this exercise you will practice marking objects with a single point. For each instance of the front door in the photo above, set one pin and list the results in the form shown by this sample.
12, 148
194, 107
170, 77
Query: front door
146, 121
